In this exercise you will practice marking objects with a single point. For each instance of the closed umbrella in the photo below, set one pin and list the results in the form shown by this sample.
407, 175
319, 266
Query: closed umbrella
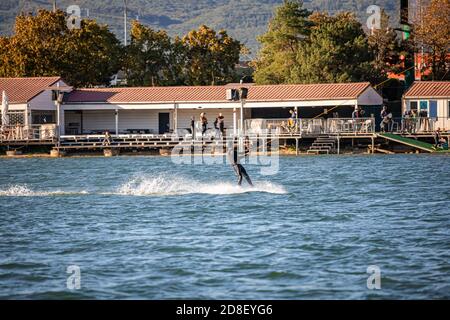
5, 106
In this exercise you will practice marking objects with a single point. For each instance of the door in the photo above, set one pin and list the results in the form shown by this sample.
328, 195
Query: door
433, 109
164, 123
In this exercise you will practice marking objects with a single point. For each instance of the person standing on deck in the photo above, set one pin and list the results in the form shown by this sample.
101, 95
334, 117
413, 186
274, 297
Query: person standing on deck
292, 122
221, 125
384, 119
204, 122
437, 138
233, 157
193, 127
356, 114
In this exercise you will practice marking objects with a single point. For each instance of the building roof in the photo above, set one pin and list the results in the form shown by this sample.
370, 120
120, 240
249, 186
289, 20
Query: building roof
429, 89
22, 90
300, 92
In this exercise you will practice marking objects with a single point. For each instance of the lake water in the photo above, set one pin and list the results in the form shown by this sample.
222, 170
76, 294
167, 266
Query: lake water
143, 228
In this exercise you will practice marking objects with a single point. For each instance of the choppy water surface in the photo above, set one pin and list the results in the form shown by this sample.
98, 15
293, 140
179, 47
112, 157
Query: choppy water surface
141, 227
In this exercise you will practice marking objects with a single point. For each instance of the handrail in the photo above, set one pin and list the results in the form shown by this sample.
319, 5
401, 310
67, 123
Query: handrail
28, 132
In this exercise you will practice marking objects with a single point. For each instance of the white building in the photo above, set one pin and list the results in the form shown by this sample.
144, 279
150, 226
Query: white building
32, 101
160, 110
431, 98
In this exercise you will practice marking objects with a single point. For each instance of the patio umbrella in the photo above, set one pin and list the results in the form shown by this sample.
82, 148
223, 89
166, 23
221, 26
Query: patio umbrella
5, 105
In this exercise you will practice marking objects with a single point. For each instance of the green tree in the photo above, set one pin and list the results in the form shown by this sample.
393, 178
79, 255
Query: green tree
336, 51
94, 54
211, 56
153, 58
287, 32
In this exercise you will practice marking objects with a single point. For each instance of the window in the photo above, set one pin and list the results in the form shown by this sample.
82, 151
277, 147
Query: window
43, 117
54, 95
413, 106
16, 118
423, 112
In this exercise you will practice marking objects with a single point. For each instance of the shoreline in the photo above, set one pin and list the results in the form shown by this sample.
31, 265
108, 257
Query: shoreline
152, 155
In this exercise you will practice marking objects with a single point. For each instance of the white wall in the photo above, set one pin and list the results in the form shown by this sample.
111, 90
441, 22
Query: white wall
370, 98
442, 111
128, 119
43, 101
444, 120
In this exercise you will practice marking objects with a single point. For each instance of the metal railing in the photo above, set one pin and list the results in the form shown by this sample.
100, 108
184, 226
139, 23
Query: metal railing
414, 125
32, 132
306, 127
351, 126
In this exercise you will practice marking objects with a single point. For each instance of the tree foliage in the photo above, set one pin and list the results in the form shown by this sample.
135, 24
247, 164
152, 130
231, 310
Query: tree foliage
387, 49
43, 45
286, 33
300, 47
211, 57
153, 58
202, 57
432, 32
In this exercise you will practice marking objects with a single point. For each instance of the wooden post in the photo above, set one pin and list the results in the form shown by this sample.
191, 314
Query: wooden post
296, 146
339, 145
234, 122
175, 119
27, 115
373, 145
117, 121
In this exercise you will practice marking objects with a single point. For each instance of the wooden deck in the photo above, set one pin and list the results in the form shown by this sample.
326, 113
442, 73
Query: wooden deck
143, 142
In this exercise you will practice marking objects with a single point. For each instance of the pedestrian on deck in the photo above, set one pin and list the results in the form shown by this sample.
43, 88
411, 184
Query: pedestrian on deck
107, 140
406, 121
292, 122
193, 127
413, 121
204, 122
385, 120
356, 114
437, 138
219, 125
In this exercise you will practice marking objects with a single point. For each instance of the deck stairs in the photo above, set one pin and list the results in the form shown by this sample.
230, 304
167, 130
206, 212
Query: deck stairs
323, 145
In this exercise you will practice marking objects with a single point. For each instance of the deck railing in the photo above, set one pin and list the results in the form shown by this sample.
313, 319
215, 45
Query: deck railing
413, 125
350, 125
27, 133
305, 127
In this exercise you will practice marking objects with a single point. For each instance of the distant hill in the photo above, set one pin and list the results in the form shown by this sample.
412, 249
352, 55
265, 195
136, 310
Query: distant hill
243, 19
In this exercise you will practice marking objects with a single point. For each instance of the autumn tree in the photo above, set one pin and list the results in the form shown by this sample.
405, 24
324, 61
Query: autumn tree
43, 45
153, 58
287, 32
432, 32
386, 48
38, 46
210, 56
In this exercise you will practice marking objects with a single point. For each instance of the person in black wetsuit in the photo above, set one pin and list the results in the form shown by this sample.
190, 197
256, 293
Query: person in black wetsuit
233, 157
